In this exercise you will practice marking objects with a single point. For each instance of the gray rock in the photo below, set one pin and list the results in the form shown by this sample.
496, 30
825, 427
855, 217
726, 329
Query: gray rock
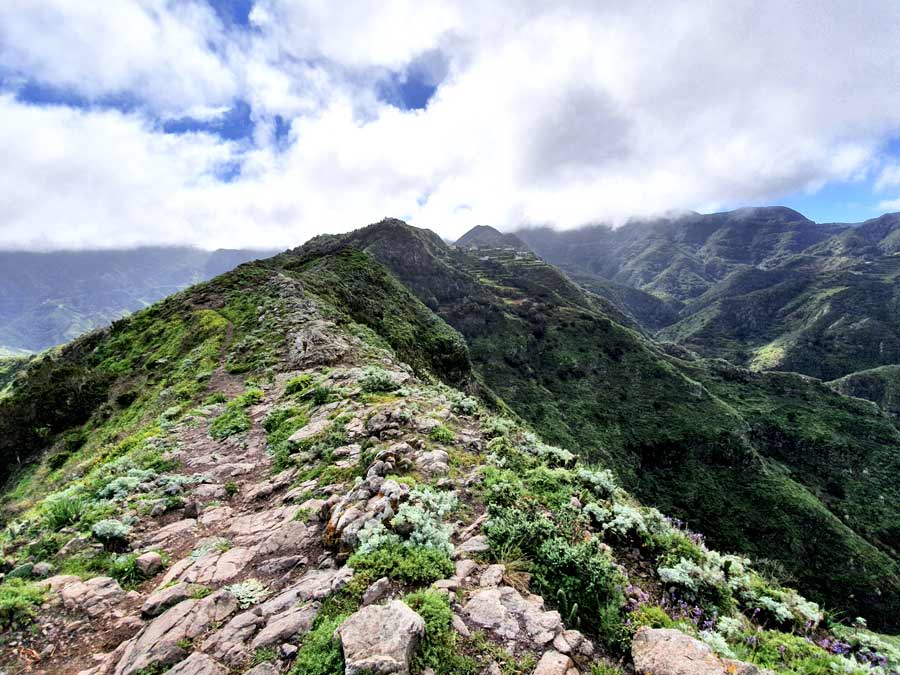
508, 615
263, 669
197, 663
293, 623
149, 563
381, 639
473, 546
229, 643
666, 651
460, 626
159, 601
554, 663
43, 569
94, 597
376, 591
160, 641
492, 576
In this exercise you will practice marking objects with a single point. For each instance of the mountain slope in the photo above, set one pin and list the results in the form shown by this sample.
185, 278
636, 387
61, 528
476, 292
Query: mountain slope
764, 288
249, 434
879, 385
675, 432
49, 298
681, 257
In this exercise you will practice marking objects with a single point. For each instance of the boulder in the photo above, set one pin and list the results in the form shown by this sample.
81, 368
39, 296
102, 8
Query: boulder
508, 615
666, 651
472, 546
381, 639
149, 563
94, 597
554, 663
263, 669
492, 576
42, 569
230, 643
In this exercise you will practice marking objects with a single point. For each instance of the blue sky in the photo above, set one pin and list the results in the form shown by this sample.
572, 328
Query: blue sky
265, 122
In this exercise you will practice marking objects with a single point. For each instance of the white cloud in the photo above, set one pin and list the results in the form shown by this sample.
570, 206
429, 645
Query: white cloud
171, 55
561, 113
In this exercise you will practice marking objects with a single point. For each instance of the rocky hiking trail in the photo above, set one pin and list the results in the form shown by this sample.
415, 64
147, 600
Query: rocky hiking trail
240, 522
255, 560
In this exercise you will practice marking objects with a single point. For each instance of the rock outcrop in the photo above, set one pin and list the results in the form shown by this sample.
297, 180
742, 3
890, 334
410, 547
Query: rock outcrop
666, 651
380, 639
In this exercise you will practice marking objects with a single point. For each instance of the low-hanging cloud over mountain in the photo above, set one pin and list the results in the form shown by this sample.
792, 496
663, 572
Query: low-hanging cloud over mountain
238, 123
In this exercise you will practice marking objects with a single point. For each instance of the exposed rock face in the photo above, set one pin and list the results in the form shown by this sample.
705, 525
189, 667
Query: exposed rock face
161, 641
164, 598
198, 664
381, 639
665, 651
93, 597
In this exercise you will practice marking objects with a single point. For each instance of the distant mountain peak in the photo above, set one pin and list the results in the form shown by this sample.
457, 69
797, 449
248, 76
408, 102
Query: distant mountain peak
485, 236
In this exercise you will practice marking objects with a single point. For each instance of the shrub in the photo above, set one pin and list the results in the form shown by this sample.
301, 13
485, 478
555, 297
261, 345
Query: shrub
565, 566
438, 650
320, 654
110, 532
495, 427
408, 564
320, 395
706, 583
297, 384
280, 424
442, 434
420, 519
122, 486
375, 380
231, 488
235, 419
463, 405
232, 421
18, 599
600, 482
123, 568
626, 523
217, 397
263, 655
60, 512
209, 545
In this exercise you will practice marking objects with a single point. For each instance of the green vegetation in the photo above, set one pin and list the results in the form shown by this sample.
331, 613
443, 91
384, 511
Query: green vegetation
439, 649
18, 602
408, 564
235, 419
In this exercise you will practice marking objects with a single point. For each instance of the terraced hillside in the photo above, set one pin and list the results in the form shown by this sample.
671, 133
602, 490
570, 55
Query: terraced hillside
299, 467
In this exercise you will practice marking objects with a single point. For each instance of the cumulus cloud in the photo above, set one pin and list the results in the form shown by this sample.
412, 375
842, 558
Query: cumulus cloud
170, 55
563, 113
